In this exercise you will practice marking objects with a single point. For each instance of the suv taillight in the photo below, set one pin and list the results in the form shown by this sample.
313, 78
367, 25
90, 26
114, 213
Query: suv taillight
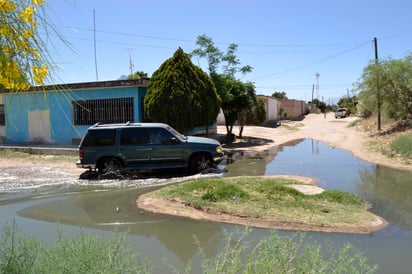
81, 153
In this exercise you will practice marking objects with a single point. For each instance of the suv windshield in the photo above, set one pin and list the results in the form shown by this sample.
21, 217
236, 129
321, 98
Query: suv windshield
177, 133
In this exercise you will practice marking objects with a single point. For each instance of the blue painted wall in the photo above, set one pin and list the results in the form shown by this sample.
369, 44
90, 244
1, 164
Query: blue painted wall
59, 106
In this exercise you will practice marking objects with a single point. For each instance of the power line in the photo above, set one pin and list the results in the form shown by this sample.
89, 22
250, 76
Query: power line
312, 63
95, 45
327, 46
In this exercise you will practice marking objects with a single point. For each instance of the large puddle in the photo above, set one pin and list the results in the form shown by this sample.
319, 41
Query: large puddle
108, 207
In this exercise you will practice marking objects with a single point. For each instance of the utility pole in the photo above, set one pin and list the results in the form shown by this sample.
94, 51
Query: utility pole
378, 95
313, 89
94, 38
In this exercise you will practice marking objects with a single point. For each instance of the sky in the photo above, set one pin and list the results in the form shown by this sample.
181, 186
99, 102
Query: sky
307, 49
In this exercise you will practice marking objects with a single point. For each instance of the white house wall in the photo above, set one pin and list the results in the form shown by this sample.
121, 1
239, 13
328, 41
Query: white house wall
272, 106
39, 126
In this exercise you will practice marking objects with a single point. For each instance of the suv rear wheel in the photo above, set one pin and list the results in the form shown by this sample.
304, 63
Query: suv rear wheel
109, 166
201, 162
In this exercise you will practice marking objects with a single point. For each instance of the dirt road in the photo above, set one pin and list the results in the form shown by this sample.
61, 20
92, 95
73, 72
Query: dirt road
335, 132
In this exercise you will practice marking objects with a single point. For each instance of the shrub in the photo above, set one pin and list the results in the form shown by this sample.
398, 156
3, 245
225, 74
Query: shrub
275, 254
224, 191
91, 254
340, 197
402, 145
84, 254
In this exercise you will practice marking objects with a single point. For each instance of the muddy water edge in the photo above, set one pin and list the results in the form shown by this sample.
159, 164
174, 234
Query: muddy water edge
43, 205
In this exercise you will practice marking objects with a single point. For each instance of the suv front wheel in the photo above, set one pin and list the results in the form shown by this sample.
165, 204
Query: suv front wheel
201, 162
109, 166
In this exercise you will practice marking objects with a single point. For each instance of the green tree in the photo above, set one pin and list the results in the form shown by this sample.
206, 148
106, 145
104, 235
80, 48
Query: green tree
322, 106
181, 94
367, 88
392, 78
137, 75
349, 103
397, 93
234, 93
316, 102
279, 95
24, 59
254, 115
208, 50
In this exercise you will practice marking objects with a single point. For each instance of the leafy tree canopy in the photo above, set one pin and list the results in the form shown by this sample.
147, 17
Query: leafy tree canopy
137, 75
349, 103
279, 95
24, 59
390, 80
236, 96
181, 94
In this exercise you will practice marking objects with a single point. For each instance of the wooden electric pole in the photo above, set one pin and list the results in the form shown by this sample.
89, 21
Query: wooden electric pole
378, 95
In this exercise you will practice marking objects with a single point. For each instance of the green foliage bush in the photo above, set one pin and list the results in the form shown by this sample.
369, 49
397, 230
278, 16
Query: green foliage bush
224, 191
90, 254
269, 188
340, 197
275, 254
402, 145
84, 254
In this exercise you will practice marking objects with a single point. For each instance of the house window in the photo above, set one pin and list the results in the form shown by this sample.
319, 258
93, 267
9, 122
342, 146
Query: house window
2, 116
107, 111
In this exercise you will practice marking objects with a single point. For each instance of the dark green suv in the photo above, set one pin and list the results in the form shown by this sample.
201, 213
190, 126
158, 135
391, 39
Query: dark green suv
145, 146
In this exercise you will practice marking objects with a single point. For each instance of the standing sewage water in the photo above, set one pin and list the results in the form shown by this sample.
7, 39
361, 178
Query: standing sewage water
41, 207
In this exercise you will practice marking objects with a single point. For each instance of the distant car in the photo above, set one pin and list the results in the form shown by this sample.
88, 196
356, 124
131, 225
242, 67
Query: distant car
341, 113
145, 146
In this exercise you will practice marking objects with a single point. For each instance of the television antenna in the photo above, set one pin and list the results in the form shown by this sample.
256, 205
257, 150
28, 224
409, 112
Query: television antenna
131, 65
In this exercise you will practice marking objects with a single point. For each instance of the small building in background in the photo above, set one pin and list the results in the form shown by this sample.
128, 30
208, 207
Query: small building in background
292, 108
60, 115
272, 107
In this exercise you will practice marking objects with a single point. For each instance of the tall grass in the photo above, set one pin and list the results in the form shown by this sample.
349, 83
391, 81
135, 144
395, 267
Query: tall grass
402, 145
84, 254
91, 254
275, 254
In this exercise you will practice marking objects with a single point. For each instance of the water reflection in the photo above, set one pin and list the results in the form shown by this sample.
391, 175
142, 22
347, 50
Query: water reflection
389, 192
111, 207
115, 210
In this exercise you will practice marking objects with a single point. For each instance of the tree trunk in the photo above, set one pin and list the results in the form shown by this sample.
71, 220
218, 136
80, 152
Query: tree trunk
229, 136
241, 132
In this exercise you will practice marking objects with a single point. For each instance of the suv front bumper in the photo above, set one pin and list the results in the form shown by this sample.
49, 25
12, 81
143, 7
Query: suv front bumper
219, 158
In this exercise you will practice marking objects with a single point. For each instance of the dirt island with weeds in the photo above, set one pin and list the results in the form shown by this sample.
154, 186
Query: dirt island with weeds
278, 202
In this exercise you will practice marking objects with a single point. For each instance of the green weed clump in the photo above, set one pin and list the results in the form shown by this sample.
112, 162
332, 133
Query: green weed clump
90, 254
276, 254
224, 191
341, 197
402, 145
81, 254
354, 123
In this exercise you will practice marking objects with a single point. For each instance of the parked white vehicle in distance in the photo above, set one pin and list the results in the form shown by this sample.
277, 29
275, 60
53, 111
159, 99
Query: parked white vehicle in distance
341, 113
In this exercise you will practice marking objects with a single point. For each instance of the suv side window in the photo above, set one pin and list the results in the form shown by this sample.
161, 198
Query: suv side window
134, 136
100, 137
159, 136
